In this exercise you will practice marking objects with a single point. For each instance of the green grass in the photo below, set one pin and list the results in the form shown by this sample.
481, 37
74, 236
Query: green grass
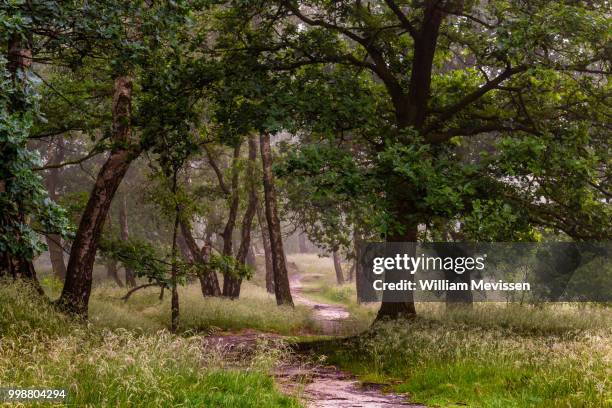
255, 309
556, 356
134, 366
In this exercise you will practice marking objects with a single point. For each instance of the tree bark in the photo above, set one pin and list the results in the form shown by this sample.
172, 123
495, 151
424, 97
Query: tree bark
232, 283
405, 309
112, 273
282, 289
77, 287
251, 260
338, 268
54, 241
174, 300
130, 278
302, 244
111, 264
228, 231
265, 238
208, 280
359, 281
184, 249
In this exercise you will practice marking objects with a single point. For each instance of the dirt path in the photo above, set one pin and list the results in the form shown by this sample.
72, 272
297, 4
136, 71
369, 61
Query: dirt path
328, 317
318, 386
323, 387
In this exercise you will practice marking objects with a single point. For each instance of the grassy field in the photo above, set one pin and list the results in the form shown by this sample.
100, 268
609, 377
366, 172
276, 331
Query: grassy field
493, 355
124, 359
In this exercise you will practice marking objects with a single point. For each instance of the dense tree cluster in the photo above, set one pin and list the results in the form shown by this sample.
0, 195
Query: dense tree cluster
431, 120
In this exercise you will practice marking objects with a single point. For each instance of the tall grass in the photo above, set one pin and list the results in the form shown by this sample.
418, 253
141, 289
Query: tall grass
492, 356
117, 367
255, 309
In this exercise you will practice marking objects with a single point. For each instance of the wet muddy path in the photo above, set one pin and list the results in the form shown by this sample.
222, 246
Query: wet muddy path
318, 386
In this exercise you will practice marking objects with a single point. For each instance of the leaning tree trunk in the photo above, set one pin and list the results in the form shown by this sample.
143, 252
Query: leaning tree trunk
54, 241
77, 287
233, 283
228, 231
208, 280
265, 238
338, 268
124, 230
282, 289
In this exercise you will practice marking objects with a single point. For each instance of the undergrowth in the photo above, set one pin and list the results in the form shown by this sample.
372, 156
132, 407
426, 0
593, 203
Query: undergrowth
103, 367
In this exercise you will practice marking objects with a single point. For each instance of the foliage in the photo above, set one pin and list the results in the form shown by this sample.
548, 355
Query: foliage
495, 133
139, 255
25, 207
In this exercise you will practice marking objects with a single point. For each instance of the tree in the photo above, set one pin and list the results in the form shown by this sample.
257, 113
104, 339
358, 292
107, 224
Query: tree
338, 267
233, 282
267, 247
124, 232
77, 287
54, 241
279, 265
24, 204
443, 75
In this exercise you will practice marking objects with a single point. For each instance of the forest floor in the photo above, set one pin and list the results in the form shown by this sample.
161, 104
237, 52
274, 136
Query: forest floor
317, 384
324, 352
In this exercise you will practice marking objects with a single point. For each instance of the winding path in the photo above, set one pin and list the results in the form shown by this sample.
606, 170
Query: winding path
327, 386
317, 385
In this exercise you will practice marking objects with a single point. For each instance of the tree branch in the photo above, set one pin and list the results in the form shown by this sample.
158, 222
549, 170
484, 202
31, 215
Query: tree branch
402, 18
450, 111
91, 154
217, 170
476, 130
146, 285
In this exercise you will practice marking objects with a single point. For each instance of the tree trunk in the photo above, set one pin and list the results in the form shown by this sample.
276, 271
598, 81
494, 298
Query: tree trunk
111, 264
77, 287
338, 268
302, 244
228, 231
130, 278
281, 277
112, 273
19, 60
183, 248
251, 260
174, 301
359, 279
405, 309
233, 282
208, 280
54, 241
457, 299
265, 238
